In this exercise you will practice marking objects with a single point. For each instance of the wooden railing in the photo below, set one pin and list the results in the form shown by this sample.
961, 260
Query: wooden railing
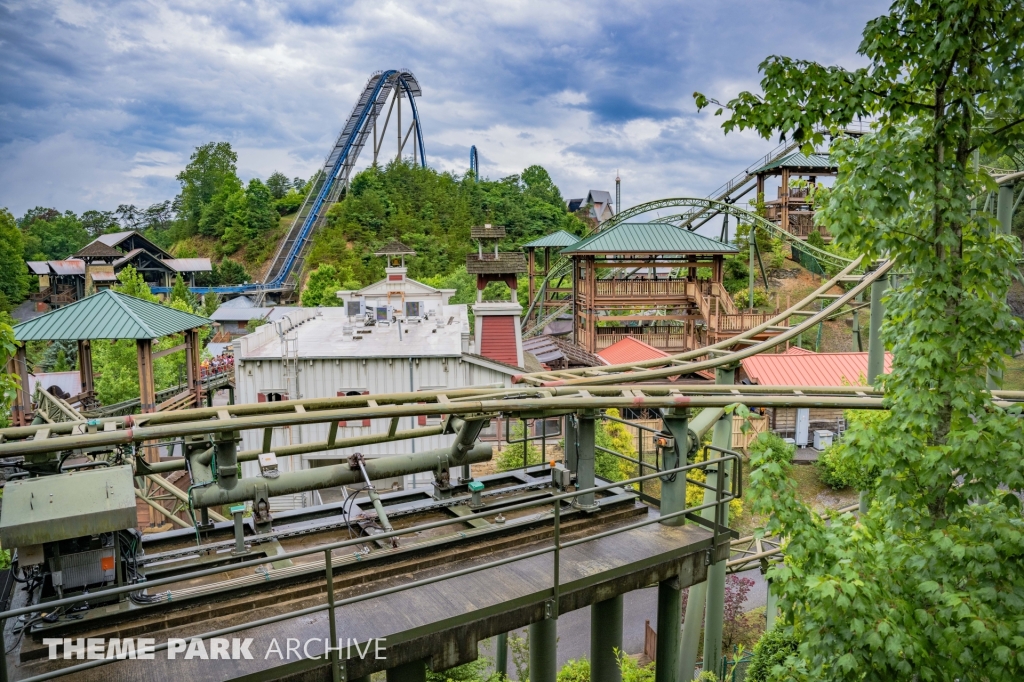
665, 338
630, 288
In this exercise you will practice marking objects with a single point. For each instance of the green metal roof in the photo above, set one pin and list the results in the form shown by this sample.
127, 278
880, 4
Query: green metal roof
560, 238
648, 238
798, 160
108, 315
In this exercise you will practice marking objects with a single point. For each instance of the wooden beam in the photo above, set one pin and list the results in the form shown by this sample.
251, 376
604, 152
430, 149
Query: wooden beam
168, 351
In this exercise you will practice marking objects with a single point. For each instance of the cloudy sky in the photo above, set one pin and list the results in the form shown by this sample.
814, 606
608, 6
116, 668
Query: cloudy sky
101, 103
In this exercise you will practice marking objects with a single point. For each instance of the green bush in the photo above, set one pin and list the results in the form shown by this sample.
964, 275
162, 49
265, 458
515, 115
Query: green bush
511, 456
474, 671
771, 650
575, 671
768, 440
742, 298
836, 468
633, 671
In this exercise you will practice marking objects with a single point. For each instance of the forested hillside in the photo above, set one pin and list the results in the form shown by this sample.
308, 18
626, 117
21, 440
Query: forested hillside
238, 225
432, 212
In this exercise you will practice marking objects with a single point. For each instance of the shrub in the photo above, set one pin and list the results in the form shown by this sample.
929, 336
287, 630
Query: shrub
836, 468
511, 456
769, 440
575, 671
742, 298
770, 651
633, 671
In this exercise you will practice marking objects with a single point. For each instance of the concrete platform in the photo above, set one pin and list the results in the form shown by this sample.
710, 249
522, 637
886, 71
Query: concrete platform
441, 622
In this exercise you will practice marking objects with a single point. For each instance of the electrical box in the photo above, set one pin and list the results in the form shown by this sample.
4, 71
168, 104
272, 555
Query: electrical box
268, 465
49, 509
561, 477
822, 439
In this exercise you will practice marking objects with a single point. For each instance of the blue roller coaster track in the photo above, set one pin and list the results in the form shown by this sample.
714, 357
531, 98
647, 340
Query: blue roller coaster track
474, 163
333, 177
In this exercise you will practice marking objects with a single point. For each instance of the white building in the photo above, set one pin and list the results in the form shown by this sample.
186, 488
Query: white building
327, 352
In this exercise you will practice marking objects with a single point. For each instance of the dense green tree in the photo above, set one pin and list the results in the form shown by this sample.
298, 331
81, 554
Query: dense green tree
278, 184
210, 173
929, 584
432, 213
323, 283
231, 273
13, 275
50, 235
99, 222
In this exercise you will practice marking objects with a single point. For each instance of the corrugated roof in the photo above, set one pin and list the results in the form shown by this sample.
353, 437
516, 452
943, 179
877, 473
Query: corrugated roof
648, 238
114, 238
108, 315
810, 369
634, 350
799, 160
487, 232
67, 267
548, 349
630, 350
97, 249
38, 267
504, 264
498, 339
226, 314
189, 264
394, 247
560, 238
238, 302
103, 276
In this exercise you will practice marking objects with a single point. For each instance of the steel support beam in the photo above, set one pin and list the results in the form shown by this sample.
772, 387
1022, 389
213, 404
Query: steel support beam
543, 650
713, 617
670, 604
571, 437
501, 655
771, 608
586, 460
876, 351
697, 597
605, 640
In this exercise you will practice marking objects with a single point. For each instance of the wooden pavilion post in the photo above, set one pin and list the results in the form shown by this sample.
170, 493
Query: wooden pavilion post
21, 410
85, 371
193, 371
531, 269
147, 389
785, 201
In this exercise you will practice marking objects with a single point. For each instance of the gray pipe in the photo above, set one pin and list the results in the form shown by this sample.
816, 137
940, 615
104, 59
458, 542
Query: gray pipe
332, 476
467, 433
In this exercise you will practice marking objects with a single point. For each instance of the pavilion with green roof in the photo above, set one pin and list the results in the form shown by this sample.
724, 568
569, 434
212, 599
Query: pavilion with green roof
548, 243
110, 315
792, 209
653, 281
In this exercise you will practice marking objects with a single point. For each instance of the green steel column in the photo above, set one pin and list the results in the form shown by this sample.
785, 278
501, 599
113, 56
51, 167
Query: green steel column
713, 616
750, 268
501, 655
698, 595
771, 609
585, 462
876, 351
408, 672
858, 346
605, 638
673, 492
571, 435
670, 603
1004, 208
543, 650
1004, 213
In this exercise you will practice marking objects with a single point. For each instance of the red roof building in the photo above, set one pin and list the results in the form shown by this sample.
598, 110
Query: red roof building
630, 350
799, 367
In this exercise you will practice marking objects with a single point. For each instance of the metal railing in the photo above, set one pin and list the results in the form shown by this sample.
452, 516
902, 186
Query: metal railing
722, 498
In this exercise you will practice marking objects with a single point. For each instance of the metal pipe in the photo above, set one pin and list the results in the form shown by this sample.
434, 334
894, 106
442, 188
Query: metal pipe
330, 476
371, 491
501, 656
533, 405
466, 434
